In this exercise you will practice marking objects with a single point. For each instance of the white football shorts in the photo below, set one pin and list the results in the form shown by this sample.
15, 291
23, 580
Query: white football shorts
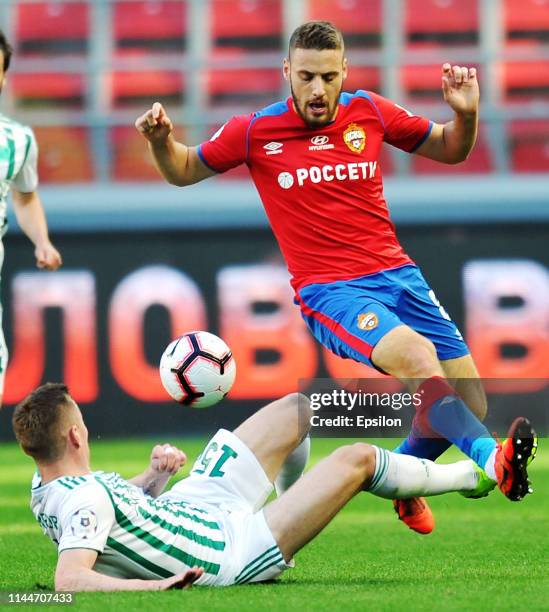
228, 479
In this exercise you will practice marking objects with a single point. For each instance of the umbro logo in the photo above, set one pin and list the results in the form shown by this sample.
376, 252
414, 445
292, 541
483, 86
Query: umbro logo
320, 143
273, 148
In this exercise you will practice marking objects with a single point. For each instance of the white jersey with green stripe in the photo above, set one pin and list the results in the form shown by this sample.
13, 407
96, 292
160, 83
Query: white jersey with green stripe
135, 535
18, 162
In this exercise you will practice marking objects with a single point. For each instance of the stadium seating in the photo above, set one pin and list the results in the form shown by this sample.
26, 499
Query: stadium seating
362, 77
48, 91
149, 26
65, 155
523, 81
422, 83
359, 20
139, 89
526, 20
242, 30
52, 27
131, 160
446, 22
529, 146
259, 86
478, 162
247, 24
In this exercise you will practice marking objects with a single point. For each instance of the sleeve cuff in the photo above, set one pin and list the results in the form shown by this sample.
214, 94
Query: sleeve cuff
204, 161
423, 138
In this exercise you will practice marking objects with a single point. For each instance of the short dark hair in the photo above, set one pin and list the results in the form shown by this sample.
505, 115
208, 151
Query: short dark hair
6, 49
318, 35
38, 419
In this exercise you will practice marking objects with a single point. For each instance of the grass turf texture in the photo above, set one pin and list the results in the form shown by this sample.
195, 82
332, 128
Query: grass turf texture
483, 554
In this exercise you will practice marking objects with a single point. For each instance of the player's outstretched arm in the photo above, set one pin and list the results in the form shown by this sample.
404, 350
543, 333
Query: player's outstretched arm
179, 164
32, 220
166, 460
74, 573
451, 143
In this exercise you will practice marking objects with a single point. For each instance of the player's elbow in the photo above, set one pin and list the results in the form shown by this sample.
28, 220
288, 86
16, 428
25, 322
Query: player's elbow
458, 157
177, 180
458, 154
65, 581
71, 579
182, 179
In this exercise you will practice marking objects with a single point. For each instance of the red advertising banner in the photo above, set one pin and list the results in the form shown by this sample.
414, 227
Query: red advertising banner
102, 322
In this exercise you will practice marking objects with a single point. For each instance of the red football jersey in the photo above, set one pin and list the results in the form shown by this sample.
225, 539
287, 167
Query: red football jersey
322, 188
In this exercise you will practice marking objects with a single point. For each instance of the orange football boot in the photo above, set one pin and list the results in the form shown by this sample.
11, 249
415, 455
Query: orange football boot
513, 457
415, 513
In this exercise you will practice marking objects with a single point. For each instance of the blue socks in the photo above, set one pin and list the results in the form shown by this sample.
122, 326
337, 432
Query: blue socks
423, 448
444, 413
451, 418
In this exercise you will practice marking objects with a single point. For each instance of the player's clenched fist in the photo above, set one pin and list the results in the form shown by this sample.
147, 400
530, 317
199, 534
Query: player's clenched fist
154, 125
47, 257
167, 459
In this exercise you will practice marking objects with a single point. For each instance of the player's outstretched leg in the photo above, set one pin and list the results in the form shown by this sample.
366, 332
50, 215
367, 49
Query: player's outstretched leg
278, 436
310, 504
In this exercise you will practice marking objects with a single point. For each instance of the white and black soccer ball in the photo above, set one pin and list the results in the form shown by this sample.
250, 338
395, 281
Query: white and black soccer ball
197, 369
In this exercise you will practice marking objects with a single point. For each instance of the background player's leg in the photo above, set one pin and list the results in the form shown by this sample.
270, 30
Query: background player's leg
309, 505
276, 431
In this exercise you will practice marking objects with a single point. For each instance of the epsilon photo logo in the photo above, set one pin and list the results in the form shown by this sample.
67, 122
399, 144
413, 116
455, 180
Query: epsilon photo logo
367, 321
285, 180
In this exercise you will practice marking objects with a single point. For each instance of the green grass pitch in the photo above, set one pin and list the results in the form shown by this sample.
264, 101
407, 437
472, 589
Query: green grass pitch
484, 554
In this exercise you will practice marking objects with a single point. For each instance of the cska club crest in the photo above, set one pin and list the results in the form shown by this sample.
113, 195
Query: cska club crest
355, 138
367, 321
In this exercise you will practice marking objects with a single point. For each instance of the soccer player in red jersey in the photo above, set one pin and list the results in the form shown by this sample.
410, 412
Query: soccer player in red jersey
314, 159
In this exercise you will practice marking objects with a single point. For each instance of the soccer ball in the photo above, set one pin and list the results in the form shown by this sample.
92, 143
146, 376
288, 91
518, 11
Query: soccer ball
197, 369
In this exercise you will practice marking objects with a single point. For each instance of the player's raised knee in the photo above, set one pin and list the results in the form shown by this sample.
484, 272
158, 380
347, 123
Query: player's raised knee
297, 404
296, 408
359, 457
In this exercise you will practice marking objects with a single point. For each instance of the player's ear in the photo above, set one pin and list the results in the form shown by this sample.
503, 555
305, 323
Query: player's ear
74, 436
286, 69
345, 68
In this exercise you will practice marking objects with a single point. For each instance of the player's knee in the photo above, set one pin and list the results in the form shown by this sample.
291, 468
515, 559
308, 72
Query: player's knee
360, 458
419, 360
296, 411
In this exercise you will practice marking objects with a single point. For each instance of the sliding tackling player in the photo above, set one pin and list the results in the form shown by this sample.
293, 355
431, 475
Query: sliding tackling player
213, 527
